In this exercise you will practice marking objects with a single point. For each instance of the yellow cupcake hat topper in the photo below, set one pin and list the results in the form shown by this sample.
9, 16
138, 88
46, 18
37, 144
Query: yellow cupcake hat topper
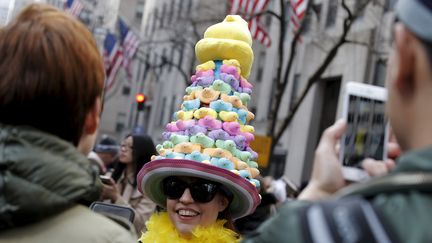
230, 39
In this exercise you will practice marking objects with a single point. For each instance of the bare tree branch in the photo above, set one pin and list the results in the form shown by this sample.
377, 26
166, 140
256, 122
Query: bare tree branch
282, 83
266, 12
347, 24
181, 35
356, 42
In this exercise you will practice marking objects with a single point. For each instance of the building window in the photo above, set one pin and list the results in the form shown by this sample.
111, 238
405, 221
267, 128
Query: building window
331, 13
119, 127
268, 20
164, 59
155, 20
170, 13
261, 61
272, 97
85, 16
155, 57
360, 7
380, 72
294, 91
172, 107
316, 12
120, 122
311, 18
139, 11
171, 59
389, 5
126, 90
259, 74
317, 9
147, 25
307, 23
189, 7
162, 20
180, 9
181, 53
162, 114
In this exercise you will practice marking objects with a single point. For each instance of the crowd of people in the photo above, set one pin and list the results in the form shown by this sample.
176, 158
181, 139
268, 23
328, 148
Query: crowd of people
51, 86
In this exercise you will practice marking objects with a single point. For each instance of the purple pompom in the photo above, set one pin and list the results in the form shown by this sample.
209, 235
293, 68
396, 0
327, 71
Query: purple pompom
240, 142
193, 130
219, 134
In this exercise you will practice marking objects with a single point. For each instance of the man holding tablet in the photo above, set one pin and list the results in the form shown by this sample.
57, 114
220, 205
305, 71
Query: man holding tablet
392, 208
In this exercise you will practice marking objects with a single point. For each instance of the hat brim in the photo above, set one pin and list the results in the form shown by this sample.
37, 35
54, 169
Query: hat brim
150, 177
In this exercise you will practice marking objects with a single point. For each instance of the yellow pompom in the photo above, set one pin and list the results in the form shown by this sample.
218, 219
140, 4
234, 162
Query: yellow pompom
203, 112
231, 62
184, 115
228, 116
210, 65
247, 128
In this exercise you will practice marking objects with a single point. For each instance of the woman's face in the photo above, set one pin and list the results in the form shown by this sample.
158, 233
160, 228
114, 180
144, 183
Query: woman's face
186, 214
126, 150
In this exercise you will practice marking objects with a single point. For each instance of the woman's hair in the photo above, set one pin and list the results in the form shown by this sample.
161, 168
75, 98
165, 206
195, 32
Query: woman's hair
229, 224
142, 150
51, 72
225, 214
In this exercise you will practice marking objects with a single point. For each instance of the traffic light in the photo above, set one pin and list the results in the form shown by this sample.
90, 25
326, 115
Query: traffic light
140, 99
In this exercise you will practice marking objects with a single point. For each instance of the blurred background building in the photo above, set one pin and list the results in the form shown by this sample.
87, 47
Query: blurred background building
166, 31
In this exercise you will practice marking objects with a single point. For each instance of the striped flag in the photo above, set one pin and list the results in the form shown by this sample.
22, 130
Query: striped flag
74, 7
297, 12
130, 43
113, 57
248, 8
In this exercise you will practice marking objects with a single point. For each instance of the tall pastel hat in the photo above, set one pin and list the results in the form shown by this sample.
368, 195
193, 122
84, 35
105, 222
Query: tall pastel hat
209, 137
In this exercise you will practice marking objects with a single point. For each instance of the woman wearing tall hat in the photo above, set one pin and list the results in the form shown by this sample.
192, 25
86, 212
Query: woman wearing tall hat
203, 176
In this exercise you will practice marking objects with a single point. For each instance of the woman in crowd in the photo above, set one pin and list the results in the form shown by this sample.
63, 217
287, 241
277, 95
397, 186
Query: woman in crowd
135, 151
200, 201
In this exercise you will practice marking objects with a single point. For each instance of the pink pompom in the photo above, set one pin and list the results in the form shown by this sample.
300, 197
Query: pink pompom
232, 128
207, 73
230, 70
171, 127
210, 123
245, 84
249, 136
184, 124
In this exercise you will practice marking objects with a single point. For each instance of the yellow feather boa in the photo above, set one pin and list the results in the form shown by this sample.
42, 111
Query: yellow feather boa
160, 229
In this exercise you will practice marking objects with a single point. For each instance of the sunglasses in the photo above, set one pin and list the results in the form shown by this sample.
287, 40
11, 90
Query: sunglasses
201, 191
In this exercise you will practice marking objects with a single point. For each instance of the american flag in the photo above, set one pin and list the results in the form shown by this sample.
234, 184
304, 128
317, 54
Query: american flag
113, 57
130, 43
74, 7
248, 8
297, 12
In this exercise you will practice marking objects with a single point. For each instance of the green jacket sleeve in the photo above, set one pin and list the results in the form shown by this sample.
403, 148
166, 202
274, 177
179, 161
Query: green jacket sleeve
284, 226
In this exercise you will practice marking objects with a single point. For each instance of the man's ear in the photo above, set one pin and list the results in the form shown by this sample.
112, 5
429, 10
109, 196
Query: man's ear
93, 118
405, 48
